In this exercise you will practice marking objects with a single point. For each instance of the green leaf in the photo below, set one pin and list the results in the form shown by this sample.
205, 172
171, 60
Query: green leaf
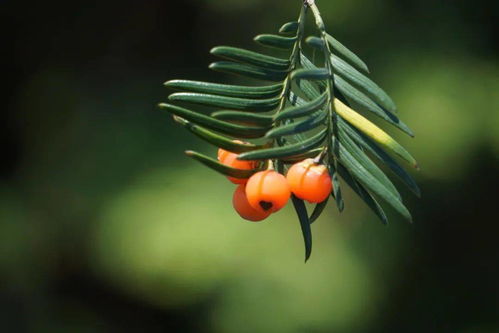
319, 208
336, 193
372, 131
310, 74
307, 124
248, 71
309, 89
226, 89
276, 41
315, 42
221, 168
351, 94
362, 193
300, 157
363, 83
251, 58
244, 104
294, 100
303, 110
289, 28
285, 151
379, 153
347, 144
215, 124
246, 118
301, 211
217, 139
346, 54
369, 181
306, 62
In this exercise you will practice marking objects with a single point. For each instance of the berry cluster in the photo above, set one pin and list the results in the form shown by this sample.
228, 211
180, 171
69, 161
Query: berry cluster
268, 191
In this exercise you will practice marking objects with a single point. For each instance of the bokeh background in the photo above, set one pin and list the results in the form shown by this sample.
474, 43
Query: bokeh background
105, 226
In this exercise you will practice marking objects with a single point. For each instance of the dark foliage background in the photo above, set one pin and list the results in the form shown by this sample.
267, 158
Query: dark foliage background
106, 226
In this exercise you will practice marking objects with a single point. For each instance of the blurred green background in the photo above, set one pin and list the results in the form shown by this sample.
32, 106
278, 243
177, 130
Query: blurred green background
106, 226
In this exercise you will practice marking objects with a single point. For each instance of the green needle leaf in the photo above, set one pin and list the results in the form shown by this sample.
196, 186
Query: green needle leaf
364, 195
295, 100
370, 166
319, 208
308, 88
221, 168
226, 89
308, 124
289, 28
276, 41
315, 42
372, 131
245, 118
363, 83
336, 193
300, 157
310, 74
285, 151
215, 124
351, 94
346, 54
301, 211
303, 110
248, 71
244, 104
380, 154
217, 139
251, 58
369, 181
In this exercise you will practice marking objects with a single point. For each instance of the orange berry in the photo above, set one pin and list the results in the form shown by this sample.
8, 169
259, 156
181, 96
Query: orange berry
222, 153
244, 209
230, 159
267, 191
309, 181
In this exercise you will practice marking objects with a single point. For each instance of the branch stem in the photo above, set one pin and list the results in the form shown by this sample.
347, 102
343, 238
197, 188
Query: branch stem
294, 58
332, 145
